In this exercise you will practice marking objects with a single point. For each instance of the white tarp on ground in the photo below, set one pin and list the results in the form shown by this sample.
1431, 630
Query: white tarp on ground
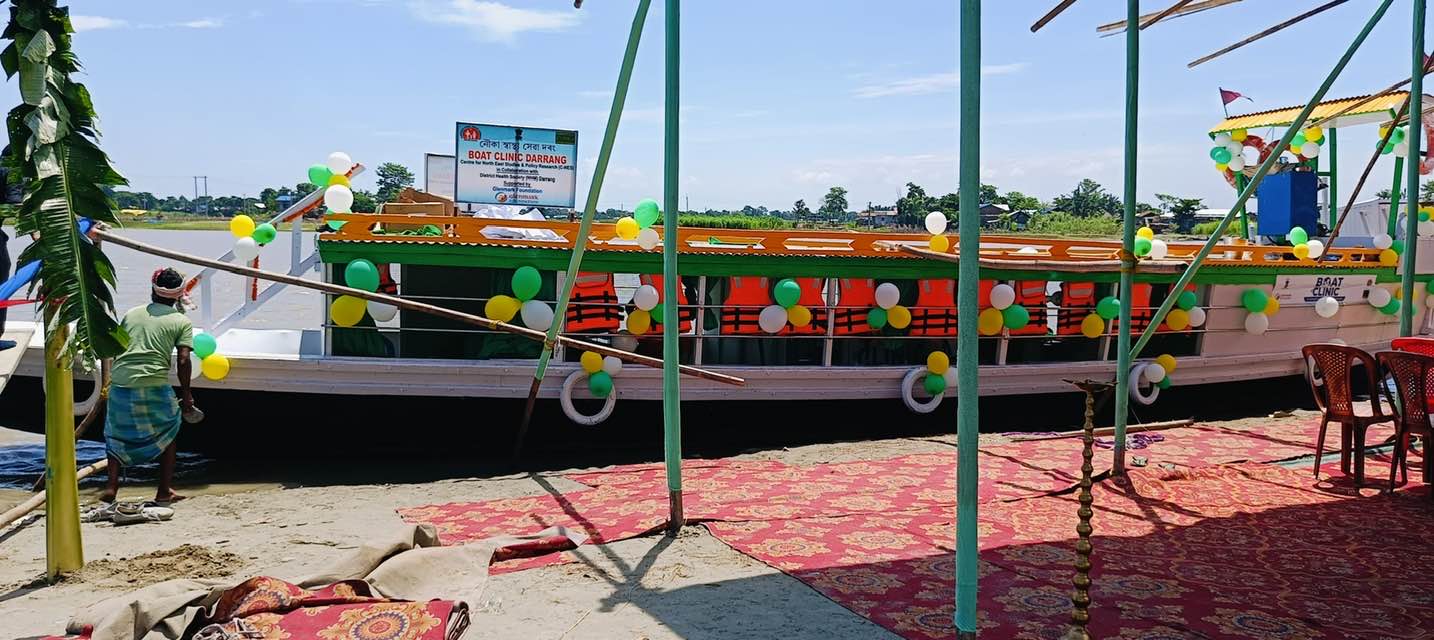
504, 212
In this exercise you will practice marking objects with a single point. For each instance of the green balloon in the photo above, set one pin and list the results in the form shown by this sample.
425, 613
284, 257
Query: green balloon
876, 318
787, 292
526, 282
1429, 286
646, 213
265, 233
1164, 383
600, 384
1221, 155
1298, 235
1108, 308
1391, 308
1398, 247
1398, 135
319, 175
337, 224
1423, 216
934, 384
658, 313
1387, 149
205, 345
361, 274
1142, 246
1015, 317
1297, 141
1254, 300
1186, 300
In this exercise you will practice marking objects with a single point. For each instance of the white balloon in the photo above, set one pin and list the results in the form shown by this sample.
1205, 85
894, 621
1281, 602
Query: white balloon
645, 297
1426, 228
772, 319
536, 315
1379, 297
648, 239
339, 163
1429, 301
1310, 150
1401, 149
382, 312
625, 341
1027, 251
338, 198
1382, 241
1234, 148
1326, 307
1223, 138
1002, 296
612, 365
950, 375
1197, 316
1158, 249
1236, 163
1316, 248
935, 223
1338, 342
887, 295
1153, 372
246, 249
1257, 323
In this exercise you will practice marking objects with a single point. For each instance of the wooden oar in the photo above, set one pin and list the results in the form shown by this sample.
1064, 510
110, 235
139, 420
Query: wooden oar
1051, 15
1269, 32
421, 307
34, 502
1179, 4
1113, 28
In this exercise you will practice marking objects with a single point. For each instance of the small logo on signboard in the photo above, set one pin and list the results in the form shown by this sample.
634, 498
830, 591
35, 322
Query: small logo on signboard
502, 197
470, 134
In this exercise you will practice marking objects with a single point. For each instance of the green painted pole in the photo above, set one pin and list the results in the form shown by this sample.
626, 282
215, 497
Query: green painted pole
1264, 169
671, 393
1333, 135
968, 276
1395, 196
1127, 252
63, 549
1240, 182
1411, 219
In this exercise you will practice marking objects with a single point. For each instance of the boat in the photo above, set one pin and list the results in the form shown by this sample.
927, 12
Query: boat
840, 351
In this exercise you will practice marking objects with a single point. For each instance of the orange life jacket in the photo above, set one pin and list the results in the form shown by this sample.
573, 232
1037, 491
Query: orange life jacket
1140, 310
685, 313
815, 302
746, 297
1077, 302
855, 299
1031, 294
935, 310
593, 307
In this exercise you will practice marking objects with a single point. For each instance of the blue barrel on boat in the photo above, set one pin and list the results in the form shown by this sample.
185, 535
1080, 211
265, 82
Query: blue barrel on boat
1287, 200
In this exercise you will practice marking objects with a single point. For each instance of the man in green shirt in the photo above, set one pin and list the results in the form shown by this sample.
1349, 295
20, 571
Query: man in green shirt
144, 415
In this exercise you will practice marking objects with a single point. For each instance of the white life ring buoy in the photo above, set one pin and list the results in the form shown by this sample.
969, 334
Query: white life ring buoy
1136, 394
566, 400
912, 403
83, 407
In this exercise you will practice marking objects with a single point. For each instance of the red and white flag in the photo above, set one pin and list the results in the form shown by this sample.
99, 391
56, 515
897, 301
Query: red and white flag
1227, 96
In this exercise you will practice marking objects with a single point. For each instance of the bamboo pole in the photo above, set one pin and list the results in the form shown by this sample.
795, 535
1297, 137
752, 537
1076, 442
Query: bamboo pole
1127, 248
421, 307
1179, 4
34, 502
64, 551
1391, 224
1264, 169
671, 389
1269, 32
968, 415
1113, 28
1051, 15
1411, 217
580, 243
1333, 136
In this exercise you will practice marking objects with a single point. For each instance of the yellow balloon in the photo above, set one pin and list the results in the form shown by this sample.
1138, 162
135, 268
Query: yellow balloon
1302, 251
639, 322
1388, 258
340, 179
1428, 210
1093, 326
1177, 319
501, 308
1314, 134
898, 317
214, 367
799, 315
1222, 167
989, 322
1239, 135
938, 362
1272, 306
1145, 232
627, 228
347, 311
1166, 362
1399, 293
241, 226
591, 362
940, 244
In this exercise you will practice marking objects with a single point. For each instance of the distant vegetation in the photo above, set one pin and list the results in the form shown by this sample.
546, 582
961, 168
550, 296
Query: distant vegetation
1058, 223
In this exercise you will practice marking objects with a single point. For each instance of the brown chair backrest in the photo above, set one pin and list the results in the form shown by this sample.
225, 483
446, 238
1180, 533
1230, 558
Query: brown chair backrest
1335, 363
1410, 372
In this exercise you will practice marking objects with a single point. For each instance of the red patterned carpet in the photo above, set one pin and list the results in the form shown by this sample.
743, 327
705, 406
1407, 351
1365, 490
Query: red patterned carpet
1182, 549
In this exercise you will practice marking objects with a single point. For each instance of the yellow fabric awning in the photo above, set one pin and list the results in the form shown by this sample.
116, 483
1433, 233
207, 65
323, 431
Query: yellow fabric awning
1381, 107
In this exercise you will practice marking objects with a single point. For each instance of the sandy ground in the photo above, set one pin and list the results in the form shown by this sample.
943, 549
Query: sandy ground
689, 587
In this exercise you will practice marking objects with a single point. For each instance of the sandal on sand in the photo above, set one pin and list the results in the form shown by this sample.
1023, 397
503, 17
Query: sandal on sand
102, 512
140, 512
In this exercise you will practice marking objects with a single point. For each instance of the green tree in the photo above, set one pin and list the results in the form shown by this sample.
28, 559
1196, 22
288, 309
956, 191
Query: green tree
800, 210
1426, 192
365, 201
392, 178
1088, 199
990, 195
912, 208
1021, 202
1183, 210
834, 204
1383, 194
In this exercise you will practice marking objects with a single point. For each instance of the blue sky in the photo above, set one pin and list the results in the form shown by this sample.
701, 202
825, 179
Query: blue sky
781, 99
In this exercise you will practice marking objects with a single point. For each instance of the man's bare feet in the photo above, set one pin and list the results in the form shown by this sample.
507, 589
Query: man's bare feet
168, 498
107, 496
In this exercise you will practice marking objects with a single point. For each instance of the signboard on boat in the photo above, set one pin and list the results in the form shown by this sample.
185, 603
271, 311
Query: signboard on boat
521, 166
1307, 289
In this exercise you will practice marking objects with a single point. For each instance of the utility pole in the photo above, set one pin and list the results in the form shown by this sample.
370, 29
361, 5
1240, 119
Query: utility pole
197, 180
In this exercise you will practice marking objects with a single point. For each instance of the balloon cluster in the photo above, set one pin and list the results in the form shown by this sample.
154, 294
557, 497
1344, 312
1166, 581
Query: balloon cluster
1148, 246
1386, 302
348, 311
1426, 221
638, 226
535, 314
1003, 312
601, 370
649, 311
1398, 142
1389, 249
1260, 306
888, 310
1185, 315
332, 176
1304, 248
936, 225
939, 374
1158, 371
211, 363
775, 317
250, 236
1229, 150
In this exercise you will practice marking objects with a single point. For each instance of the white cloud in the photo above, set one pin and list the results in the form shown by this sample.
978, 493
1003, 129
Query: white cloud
930, 83
492, 21
95, 23
203, 23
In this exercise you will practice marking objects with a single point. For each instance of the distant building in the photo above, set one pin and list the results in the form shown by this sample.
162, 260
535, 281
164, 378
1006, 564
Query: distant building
876, 217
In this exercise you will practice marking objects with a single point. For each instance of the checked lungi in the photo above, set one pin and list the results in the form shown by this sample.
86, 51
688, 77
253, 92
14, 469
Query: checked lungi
141, 423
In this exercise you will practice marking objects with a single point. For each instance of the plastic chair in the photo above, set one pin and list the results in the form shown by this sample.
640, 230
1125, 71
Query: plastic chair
1410, 372
1335, 365
1422, 346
